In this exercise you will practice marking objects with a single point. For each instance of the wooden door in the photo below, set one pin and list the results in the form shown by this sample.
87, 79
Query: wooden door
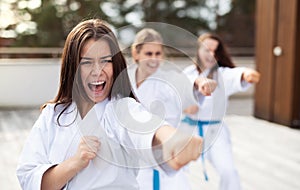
277, 58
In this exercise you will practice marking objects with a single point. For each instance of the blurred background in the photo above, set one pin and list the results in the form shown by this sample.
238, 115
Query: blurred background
46, 23
260, 34
32, 35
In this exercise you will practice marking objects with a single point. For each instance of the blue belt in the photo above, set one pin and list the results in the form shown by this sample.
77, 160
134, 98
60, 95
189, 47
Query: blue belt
156, 180
200, 124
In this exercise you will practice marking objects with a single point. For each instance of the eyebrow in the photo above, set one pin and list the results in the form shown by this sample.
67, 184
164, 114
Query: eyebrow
88, 58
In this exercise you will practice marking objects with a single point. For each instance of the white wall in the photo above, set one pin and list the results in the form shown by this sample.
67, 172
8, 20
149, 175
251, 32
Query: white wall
28, 82
32, 82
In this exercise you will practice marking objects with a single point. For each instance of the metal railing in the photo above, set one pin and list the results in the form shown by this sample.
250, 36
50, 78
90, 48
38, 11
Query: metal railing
55, 52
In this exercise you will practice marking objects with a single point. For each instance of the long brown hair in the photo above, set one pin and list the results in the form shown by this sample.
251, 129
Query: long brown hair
221, 53
80, 34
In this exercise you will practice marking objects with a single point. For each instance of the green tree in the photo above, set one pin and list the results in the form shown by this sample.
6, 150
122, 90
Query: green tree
53, 19
184, 14
237, 27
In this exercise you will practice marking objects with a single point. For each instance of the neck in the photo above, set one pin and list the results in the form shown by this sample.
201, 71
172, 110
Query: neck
140, 77
84, 107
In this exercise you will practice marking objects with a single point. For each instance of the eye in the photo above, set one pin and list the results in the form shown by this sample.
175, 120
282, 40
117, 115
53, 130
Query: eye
148, 53
85, 62
158, 53
106, 61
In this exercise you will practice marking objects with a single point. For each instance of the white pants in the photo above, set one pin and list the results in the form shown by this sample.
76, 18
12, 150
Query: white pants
178, 181
218, 151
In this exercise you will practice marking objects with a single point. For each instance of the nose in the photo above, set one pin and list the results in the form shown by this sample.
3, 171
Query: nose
212, 53
154, 56
96, 69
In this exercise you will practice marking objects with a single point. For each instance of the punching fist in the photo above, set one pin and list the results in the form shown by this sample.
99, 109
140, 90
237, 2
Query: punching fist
177, 148
184, 151
205, 86
251, 76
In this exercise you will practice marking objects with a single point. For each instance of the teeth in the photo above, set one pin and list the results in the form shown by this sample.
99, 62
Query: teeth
97, 83
153, 64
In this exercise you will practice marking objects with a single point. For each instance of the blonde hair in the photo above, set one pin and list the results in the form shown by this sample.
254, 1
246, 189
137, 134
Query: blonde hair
146, 35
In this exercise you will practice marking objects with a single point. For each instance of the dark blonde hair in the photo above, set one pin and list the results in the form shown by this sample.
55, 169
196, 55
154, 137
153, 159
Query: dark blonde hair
146, 35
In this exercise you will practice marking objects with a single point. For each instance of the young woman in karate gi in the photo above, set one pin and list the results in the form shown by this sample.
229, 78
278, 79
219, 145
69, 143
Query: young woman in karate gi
153, 90
216, 78
81, 139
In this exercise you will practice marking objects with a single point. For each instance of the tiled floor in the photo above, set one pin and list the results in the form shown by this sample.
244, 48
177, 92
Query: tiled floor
267, 155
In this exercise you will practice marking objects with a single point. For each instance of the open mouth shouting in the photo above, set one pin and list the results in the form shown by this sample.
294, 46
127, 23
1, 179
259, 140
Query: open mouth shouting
97, 86
97, 90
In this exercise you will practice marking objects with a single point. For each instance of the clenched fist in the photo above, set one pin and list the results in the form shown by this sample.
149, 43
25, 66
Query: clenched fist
177, 148
251, 76
205, 86
87, 150
184, 151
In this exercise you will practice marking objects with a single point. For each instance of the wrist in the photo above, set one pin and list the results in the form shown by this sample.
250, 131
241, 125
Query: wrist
75, 165
163, 134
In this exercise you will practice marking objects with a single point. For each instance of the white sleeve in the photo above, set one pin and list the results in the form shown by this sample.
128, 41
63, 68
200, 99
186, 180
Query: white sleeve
232, 78
173, 109
34, 161
166, 104
136, 131
182, 89
192, 73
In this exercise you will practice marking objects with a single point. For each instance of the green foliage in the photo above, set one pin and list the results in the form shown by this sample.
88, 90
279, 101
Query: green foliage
237, 26
55, 19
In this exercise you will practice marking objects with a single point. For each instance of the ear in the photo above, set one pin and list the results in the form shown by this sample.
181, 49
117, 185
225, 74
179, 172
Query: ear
135, 54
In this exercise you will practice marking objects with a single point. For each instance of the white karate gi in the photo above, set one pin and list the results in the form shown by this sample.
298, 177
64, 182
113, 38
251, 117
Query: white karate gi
160, 97
117, 123
213, 108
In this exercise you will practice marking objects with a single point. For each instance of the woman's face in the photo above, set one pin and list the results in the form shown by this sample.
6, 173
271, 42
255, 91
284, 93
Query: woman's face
96, 69
207, 52
149, 57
